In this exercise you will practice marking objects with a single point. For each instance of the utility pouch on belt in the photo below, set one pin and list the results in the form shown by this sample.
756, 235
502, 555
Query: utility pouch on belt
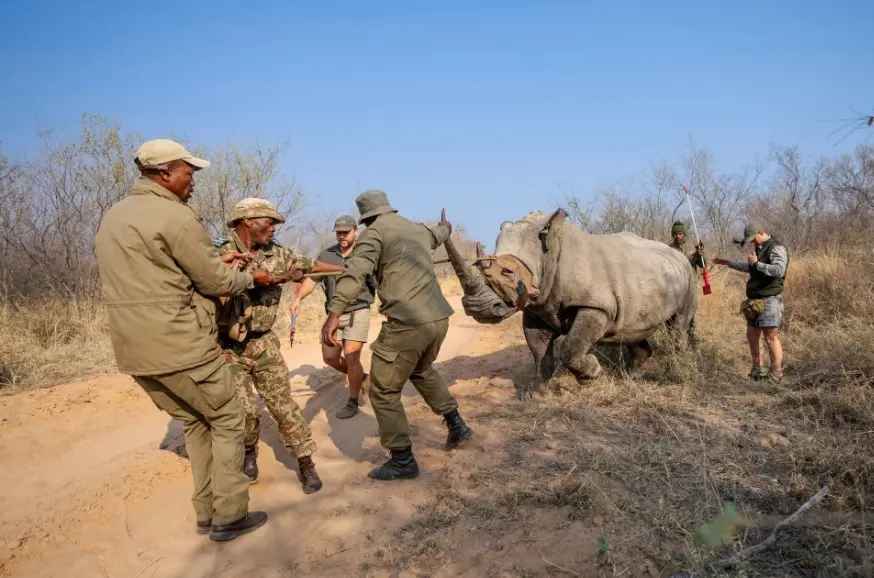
235, 315
752, 308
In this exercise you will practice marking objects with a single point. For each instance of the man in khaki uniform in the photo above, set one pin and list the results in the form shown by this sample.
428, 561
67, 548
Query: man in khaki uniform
252, 350
355, 320
397, 252
159, 273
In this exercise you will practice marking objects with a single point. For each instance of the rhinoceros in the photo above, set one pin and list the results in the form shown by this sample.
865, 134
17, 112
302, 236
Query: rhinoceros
613, 289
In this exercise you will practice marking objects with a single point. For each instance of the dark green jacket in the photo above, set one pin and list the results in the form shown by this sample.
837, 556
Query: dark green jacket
768, 274
397, 252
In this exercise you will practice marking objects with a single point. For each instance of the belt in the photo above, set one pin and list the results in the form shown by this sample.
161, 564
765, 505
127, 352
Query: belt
224, 337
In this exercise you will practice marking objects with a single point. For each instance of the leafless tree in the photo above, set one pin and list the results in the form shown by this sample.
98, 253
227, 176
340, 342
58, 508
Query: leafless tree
239, 171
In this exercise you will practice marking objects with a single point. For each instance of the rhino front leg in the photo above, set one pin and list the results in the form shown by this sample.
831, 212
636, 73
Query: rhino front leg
541, 342
588, 328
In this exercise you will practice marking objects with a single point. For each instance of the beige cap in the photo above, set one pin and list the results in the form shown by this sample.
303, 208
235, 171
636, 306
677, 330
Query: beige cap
162, 150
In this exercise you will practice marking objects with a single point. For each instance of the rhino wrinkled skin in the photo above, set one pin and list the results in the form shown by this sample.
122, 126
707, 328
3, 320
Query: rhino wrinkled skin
615, 289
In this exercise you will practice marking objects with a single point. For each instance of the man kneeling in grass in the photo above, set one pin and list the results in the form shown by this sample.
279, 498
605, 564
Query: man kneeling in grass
355, 321
767, 264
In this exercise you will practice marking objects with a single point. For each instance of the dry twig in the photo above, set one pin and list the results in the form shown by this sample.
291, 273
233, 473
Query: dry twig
753, 550
556, 566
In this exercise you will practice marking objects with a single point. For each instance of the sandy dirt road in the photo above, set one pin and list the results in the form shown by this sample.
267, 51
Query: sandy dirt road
95, 480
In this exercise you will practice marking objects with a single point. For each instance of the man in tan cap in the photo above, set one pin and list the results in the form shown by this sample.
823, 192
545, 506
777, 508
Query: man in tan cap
397, 252
250, 345
160, 275
355, 320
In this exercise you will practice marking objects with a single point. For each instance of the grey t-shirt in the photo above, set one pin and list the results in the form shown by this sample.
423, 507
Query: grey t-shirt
368, 291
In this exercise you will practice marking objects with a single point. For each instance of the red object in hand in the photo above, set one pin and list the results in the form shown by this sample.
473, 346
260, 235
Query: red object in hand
706, 281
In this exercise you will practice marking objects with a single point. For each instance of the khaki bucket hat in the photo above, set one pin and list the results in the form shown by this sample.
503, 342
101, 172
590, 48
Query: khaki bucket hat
253, 208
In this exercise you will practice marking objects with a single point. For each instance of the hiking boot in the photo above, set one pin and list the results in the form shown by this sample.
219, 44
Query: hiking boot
757, 373
776, 376
401, 466
204, 527
309, 479
348, 410
248, 523
250, 464
458, 430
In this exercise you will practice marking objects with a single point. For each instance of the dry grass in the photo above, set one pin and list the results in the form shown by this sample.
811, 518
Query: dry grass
49, 342
663, 459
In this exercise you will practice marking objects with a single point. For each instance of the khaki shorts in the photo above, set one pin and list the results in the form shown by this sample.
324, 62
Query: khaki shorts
355, 326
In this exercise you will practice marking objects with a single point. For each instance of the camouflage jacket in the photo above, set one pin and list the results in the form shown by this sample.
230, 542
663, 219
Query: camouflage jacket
693, 257
276, 259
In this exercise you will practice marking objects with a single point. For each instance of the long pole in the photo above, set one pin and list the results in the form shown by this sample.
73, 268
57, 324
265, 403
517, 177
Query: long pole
706, 274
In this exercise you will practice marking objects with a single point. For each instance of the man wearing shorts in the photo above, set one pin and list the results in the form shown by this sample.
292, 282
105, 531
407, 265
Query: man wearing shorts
767, 264
355, 321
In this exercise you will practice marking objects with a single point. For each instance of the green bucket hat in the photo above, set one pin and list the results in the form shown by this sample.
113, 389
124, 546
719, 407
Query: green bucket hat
678, 227
372, 203
344, 224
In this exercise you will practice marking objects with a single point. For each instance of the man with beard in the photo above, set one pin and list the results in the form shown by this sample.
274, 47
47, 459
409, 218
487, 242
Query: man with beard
250, 345
355, 320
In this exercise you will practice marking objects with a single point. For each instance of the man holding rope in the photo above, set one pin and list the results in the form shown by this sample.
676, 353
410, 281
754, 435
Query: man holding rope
252, 348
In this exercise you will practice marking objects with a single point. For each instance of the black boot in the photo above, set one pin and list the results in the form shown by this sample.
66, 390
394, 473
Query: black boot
248, 523
250, 463
309, 479
401, 466
458, 430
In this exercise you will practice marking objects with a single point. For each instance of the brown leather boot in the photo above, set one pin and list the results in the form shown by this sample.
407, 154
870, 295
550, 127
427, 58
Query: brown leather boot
309, 479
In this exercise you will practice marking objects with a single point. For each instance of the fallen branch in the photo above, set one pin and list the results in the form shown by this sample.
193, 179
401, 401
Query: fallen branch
753, 550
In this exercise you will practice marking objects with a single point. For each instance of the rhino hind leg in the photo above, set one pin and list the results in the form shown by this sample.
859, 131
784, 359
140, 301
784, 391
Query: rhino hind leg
588, 328
541, 341
638, 354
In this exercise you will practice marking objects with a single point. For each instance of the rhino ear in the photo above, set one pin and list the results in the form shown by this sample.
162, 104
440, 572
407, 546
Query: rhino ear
506, 225
557, 217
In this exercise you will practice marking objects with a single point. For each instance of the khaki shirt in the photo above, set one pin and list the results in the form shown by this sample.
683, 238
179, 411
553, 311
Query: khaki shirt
159, 274
397, 252
276, 259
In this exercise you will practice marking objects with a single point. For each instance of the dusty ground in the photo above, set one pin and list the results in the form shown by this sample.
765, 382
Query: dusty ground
624, 477
93, 484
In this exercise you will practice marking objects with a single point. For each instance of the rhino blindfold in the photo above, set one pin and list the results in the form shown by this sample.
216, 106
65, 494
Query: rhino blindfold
509, 278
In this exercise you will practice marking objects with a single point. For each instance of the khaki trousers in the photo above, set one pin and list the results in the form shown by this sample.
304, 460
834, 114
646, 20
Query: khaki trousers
204, 400
403, 352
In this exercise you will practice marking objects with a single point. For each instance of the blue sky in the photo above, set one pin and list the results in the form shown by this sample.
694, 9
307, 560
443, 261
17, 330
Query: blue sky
486, 108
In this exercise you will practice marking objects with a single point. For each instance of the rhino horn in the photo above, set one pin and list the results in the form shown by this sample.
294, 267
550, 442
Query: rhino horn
471, 279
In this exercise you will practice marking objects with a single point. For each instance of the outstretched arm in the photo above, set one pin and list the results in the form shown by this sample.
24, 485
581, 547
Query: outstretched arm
200, 260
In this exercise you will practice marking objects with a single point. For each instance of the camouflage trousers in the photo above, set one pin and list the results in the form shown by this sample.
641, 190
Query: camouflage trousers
257, 368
